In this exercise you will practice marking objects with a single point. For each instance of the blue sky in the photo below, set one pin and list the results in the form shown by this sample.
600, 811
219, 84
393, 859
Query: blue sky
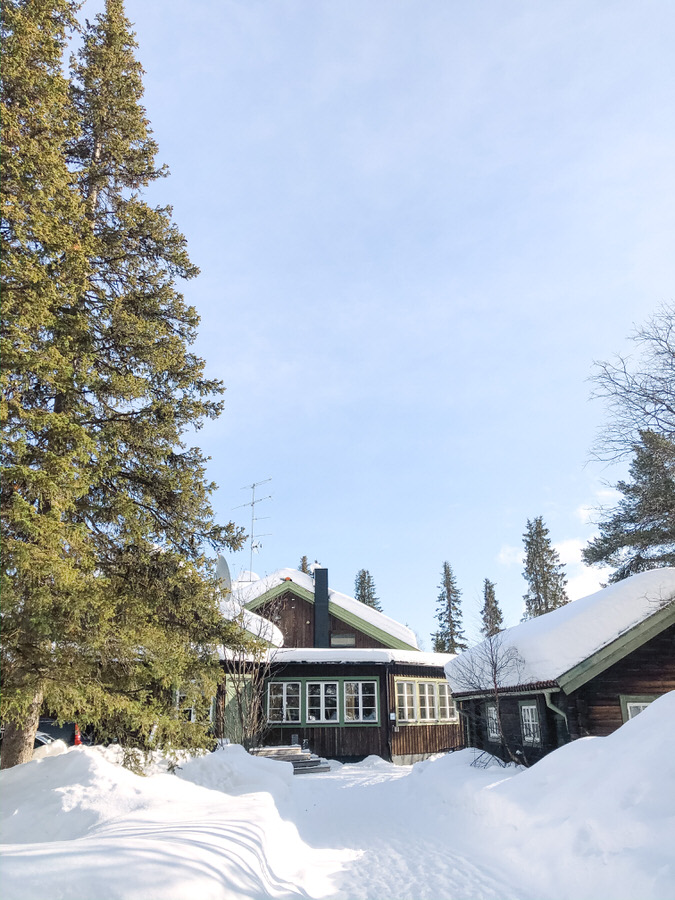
418, 224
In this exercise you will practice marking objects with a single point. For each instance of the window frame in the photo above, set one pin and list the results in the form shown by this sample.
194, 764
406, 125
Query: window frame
341, 721
628, 700
493, 736
535, 739
360, 720
284, 720
439, 686
406, 719
322, 702
427, 688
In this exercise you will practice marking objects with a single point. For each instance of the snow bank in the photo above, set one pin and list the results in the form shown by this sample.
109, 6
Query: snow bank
552, 644
594, 820
77, 825
234, 771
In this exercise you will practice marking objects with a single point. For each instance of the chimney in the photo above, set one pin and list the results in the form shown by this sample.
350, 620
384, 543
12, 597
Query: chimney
321, 608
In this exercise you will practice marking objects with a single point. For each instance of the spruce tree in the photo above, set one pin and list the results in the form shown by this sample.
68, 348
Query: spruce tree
639, 534
304, 565
491, 614
543, 571
49, 591
364, 590
131, 613
450, 636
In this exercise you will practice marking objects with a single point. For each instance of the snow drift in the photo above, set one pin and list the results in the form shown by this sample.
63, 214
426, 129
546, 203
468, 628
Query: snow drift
594, 820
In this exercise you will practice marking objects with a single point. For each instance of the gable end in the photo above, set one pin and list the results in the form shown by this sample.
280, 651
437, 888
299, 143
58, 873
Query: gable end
626, 643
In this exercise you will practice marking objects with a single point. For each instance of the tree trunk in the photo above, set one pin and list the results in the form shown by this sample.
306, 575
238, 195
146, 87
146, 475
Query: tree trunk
18, 739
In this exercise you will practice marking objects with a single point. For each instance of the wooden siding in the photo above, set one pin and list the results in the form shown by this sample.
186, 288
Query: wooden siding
348, 743
649, 670
593, 709
343, 742
476, 727
353, 741
294, 617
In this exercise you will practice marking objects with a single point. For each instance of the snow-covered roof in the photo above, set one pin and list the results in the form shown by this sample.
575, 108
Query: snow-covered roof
553, 644
247, 592
256, 625
357, 655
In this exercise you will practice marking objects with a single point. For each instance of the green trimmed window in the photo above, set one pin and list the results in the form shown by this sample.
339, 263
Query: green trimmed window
312, 702
633, 704
322, 701
283, 701
360, 701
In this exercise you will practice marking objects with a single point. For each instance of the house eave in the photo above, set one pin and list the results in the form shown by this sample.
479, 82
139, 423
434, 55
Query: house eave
531, 688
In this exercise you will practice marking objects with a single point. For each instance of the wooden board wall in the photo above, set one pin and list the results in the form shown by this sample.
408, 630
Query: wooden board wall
647, 671
295, 618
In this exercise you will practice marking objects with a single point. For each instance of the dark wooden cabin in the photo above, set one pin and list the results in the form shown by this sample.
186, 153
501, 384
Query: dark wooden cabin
621, 642
349, 680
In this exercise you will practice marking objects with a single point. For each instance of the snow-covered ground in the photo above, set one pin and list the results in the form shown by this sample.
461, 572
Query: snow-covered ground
593, 820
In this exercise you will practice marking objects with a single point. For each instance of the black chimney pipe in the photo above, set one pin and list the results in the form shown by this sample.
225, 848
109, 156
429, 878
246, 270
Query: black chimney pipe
321, 628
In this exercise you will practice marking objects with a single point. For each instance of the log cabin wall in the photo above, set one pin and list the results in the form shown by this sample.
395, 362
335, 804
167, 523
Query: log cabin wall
648, 671
475, 725
295, 619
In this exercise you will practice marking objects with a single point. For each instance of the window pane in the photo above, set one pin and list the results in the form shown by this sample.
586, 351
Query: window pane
352, 705
276, 702
634, 709
292, 701
401, 706
530, 723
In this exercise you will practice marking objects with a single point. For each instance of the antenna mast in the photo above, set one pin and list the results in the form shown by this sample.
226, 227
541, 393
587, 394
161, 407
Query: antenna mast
254, 518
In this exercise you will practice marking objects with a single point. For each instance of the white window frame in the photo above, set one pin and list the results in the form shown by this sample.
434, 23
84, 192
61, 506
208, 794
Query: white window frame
446, 703
360, 717
635, 707
492, 722
531, 730
190, 710
407, 696
284, 702
322, 703
633, 704
427, 711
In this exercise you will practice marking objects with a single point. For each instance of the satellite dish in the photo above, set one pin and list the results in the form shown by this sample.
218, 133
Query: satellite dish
223, 573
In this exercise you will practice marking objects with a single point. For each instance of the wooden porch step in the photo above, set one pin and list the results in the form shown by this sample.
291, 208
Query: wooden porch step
303, 761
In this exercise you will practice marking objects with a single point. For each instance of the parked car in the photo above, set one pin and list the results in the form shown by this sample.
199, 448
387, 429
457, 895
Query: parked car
68, 732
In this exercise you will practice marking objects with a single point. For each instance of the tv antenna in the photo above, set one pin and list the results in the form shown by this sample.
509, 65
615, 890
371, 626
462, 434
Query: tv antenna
254, 544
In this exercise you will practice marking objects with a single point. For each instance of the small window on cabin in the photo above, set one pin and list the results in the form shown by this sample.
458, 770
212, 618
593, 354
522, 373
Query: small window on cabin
343, 640
634, 709
492, 722
529, 723
405, 701
187, 711
633, 705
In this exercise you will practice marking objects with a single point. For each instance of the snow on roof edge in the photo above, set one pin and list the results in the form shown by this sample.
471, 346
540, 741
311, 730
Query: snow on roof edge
553, 644
249, 591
